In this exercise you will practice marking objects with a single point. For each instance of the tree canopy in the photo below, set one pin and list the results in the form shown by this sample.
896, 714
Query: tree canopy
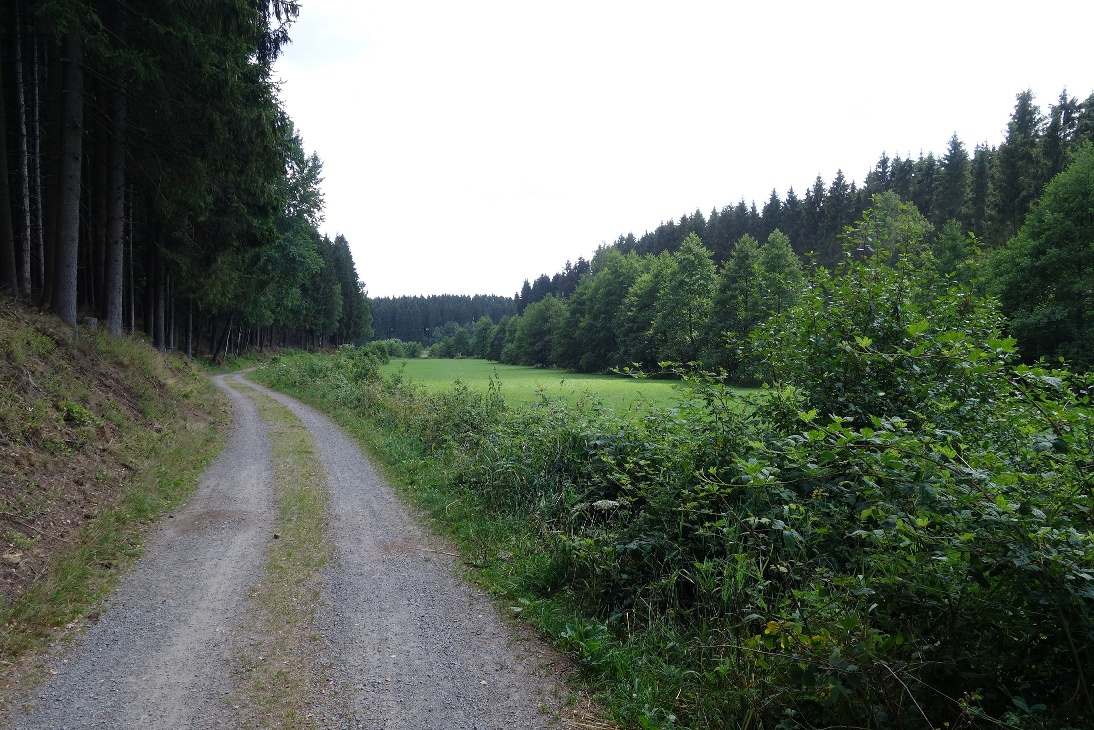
157, 184
1045, 275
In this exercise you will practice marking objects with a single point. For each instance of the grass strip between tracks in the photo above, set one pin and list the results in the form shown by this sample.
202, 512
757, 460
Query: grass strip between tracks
280, 667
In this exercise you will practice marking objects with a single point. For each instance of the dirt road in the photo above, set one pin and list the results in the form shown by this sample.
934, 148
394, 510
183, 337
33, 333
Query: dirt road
405, 643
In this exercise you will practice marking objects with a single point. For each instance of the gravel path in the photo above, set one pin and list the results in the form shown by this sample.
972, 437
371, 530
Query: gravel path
407, 644
410, 643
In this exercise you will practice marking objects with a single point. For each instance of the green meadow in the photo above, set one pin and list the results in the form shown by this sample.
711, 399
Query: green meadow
524, 384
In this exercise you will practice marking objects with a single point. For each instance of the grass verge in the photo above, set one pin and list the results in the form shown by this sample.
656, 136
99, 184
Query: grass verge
281, 667
82, 576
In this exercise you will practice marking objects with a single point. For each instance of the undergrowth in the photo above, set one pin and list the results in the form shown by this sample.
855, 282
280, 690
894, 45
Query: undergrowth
896, 534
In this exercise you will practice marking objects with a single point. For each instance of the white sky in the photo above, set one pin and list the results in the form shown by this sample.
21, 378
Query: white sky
470, 145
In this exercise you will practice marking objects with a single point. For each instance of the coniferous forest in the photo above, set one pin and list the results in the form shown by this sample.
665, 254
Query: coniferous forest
695, 288
152, 181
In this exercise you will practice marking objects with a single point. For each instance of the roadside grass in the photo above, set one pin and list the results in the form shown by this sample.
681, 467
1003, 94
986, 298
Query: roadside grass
522, 385
280, 668
102, 435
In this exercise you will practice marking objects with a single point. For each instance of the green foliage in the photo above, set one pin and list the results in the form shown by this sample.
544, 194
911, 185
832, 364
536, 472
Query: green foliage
396, 349
684, 302
889, 228
591, 338
1044, 276
957, 255
537, 333
635, 333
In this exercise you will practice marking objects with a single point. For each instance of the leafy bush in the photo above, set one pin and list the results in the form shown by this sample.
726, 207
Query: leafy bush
398, 349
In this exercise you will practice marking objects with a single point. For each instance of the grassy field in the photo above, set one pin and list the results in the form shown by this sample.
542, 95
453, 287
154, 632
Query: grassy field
521, 384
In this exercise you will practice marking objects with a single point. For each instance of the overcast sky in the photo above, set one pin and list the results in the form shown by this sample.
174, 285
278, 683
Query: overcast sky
470, 145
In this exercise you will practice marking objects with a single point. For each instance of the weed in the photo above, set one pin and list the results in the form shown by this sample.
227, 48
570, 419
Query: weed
75, 413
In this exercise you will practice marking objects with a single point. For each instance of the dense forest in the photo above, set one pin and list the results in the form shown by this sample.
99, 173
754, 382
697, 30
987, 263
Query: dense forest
422, 319
694, 289
152, 182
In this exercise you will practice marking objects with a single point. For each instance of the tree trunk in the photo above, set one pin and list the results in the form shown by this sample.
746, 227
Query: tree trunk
98, 179
22, 150
50, 178
150, 290
68, 209
115, 214
38, 234
190, 328
222, 348
131, 212
10, 279
172, 339
159, 336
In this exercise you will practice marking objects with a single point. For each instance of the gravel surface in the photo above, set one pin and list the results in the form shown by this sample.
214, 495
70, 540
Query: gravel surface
407, 644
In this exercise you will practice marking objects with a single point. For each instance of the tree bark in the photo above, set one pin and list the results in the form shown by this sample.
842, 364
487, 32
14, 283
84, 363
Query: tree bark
68, 209
10, 279
115, 215
50, 177
38, 233
22, 150
172, 339
222, 346
150, 290
130, 214
159, 330
98, 179
190, 328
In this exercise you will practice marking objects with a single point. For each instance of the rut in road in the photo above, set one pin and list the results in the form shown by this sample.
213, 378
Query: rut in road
405, 643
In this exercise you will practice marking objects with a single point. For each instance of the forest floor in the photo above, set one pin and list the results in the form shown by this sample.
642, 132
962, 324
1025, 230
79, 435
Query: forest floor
216, 625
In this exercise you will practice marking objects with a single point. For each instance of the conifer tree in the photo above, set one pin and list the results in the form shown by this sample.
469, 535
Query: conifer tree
951, 191
1017, 176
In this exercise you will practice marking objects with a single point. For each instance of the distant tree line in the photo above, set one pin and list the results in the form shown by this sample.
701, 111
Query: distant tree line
430, 319
691, 288
150, 179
